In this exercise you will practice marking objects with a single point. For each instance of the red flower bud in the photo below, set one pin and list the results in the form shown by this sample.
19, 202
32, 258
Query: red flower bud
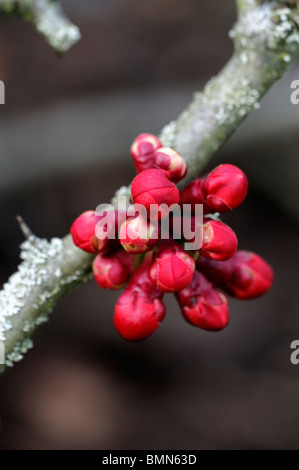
138, 235
170, 160
112, 270
152, 187
143, 150
139, 310
83, 231
107, 230
203, 306
172, 268
245, 276
217, 272
193, 194
219, 241
225, 188
96, 233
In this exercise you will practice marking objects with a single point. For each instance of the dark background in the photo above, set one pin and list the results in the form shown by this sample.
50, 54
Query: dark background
64, 138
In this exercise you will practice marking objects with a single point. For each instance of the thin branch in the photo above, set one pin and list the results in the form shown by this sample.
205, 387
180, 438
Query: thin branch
49, 270
266, 43
24, 227
49, 19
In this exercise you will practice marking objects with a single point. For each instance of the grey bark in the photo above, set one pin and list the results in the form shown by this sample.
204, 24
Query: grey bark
48, 18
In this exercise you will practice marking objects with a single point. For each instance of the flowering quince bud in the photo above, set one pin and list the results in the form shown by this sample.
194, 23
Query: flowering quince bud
172, 268
217, 272
107, 230
170, 160
95, 233
112, 270
202, 305
83, 231
143, 150
139, 310
152, 187
138, 235
219, 241
118, 238
225, 188
245, 276
194, 194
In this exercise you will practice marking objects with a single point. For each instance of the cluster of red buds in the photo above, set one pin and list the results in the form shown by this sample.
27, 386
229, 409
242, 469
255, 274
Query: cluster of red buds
140, 258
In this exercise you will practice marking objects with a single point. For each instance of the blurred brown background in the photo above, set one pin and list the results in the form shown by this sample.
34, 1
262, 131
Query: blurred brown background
64, 138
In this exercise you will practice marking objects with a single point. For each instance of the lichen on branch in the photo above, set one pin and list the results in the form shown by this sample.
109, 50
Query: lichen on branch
49, 19
49, 270
266, 42
266, 39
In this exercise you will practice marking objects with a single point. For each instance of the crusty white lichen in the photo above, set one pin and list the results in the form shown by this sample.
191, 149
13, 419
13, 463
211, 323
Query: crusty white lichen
168, 133
52, 23
36, 255
18, 352
266, 43
278, 27
48, 18
122, 194
31, 293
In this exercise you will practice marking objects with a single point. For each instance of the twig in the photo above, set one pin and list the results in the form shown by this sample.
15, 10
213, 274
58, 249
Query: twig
266, 41
48, 18
24, 227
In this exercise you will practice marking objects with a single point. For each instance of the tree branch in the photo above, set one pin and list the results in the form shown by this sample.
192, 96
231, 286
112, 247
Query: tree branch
266, 43
48, 18
49, 271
